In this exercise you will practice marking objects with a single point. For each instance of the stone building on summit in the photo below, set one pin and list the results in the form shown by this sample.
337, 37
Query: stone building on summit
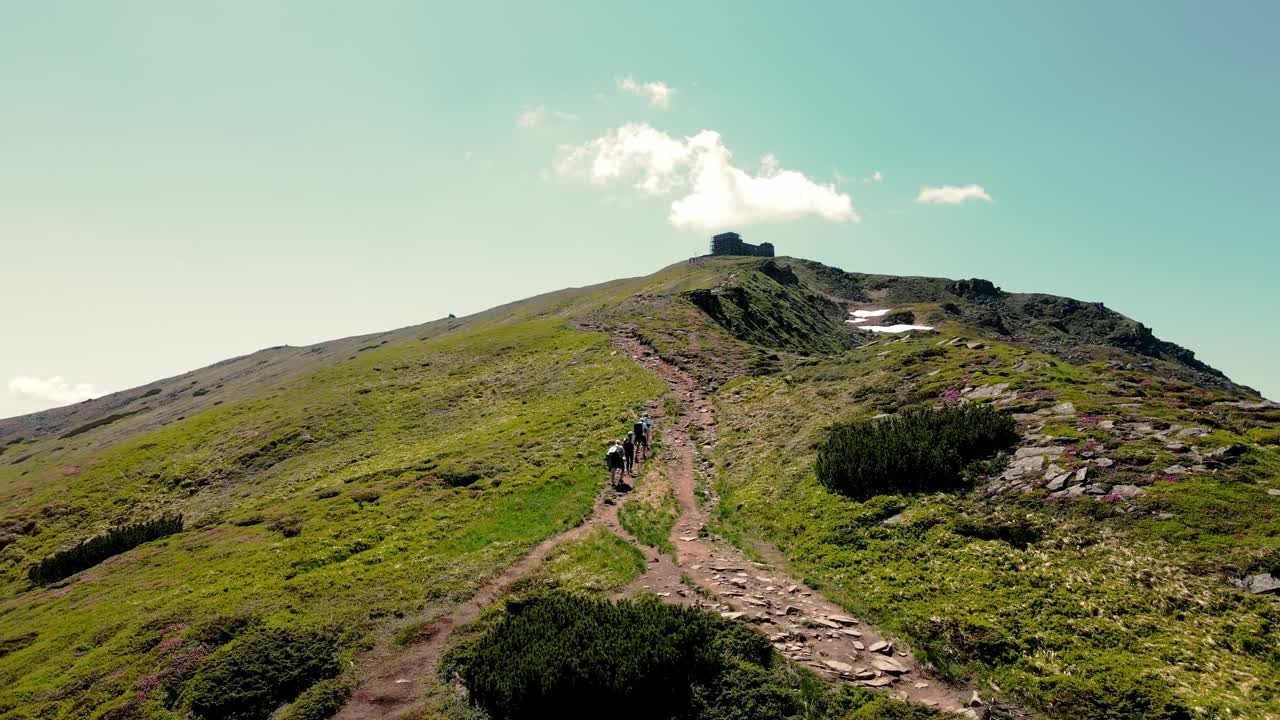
730, 243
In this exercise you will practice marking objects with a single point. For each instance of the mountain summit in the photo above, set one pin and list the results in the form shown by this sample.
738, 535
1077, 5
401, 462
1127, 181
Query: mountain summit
418, 522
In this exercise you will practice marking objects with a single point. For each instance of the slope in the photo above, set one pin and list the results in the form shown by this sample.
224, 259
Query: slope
390, 477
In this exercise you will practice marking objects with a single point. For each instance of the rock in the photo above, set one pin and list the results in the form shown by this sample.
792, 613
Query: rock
857, 645
893, 520
1126, 491
878, 681
880, 646
888, 665
1027, 464
987, 391
1065, 408
975, 701
1107, 424
1094, 489
840, 667
1081, 473
1024, 367
1176, 470
1227, 453
1104, 462
822, 622
1273, 491
1057, 483
1053, 471
1175, 447
791, 610
1193, 432
842, 619
920, 685
974, 345
732, 615
1259, 584
1028, 452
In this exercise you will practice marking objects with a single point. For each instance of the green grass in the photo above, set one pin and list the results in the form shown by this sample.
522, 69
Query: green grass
1075, 609
597, 564
523, 408
649, 519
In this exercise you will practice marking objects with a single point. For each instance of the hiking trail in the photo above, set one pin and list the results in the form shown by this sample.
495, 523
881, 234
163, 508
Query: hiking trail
394, 679
802, 624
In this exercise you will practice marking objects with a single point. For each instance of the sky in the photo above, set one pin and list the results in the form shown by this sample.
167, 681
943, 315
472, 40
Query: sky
183, 182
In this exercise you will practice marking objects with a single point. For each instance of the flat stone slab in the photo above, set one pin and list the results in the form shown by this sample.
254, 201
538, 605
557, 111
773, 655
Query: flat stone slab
840, 667
888, 665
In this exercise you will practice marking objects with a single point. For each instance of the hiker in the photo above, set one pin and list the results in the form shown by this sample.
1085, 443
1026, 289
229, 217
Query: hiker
629, 450
615, 459
642, 440
648, 428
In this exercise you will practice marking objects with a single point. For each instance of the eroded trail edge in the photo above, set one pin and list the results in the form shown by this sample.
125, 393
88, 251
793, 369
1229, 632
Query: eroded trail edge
802, 624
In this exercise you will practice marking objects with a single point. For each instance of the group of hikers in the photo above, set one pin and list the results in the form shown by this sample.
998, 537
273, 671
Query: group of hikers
623, 455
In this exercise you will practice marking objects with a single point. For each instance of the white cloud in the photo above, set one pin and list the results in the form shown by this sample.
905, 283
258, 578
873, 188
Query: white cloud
713, 192
951, 194
658, 92
876, 176
531, 116
54, 390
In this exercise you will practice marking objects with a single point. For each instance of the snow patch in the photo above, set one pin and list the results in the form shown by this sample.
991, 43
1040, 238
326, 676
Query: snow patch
869, 313
856, 320
894, 328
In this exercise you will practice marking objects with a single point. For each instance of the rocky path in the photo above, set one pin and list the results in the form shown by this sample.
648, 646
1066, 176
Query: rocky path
803, 625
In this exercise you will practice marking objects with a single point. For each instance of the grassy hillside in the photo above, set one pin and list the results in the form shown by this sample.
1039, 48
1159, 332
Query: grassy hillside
331, 494
364, 492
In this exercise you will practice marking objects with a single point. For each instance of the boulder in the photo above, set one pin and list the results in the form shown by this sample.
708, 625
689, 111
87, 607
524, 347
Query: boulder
1126, 491
1065, 408
1259, 584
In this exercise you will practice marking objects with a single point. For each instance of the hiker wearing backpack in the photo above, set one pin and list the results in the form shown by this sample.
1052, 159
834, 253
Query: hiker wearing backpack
629, 451
616, 462
648, 429
642, 440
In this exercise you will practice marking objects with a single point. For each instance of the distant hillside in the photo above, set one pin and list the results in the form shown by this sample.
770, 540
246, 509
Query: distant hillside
349, 504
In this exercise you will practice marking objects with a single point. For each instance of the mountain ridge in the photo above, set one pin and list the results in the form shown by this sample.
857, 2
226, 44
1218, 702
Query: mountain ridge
384, 481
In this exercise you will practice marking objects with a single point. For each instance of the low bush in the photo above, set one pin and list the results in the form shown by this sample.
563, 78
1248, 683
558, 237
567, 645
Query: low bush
1017, 531
918, 450
318, 702
90, 552
570, 656
251, 676
854, 703
1113, 695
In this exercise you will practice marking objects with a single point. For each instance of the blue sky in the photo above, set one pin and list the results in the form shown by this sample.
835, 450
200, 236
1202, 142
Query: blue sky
181, 182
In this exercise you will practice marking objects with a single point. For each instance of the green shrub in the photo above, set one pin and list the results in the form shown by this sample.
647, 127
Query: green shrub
249, 677
854, 703
918, 450
1112, 695
571, 656
88, 553
1017, 531
318, 702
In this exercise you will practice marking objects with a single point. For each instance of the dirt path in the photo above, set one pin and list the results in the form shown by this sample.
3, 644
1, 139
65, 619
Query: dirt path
394, 679
802, 624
